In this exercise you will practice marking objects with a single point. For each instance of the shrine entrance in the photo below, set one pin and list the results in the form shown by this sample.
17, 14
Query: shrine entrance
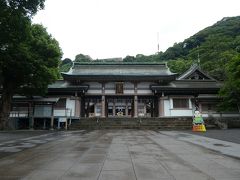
120, 107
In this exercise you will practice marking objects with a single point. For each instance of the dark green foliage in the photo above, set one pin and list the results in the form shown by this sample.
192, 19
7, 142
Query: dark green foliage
82, 58
179, 66
29, 56
143, 58
214, 45
231, 89
30, 65
41, 65
129, 59
66, 61
25, 7
65, 65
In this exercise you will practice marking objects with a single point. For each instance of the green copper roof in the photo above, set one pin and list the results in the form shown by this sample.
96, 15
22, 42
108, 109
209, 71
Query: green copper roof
119, 69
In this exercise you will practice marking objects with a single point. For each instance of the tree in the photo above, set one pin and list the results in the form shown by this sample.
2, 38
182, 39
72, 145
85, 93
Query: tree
29, 56
179, 66
26, 7
66, 61
230, 92
129, 59
65, 65
82, 58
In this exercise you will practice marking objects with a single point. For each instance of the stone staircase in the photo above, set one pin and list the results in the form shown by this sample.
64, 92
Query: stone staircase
173, 123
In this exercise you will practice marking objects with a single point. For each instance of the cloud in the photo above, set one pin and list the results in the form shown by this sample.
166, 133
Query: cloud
113, 28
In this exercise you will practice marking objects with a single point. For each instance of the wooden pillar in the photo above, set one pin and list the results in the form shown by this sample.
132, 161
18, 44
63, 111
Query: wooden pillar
66, 124
153, 107
31, 115
52, 118
135, 106
103, 101
77, 105
126, 109
82, 106
114, 109
161, 106
135, 100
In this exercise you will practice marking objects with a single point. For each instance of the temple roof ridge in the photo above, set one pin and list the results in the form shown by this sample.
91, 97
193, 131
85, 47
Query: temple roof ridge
92, 70
192, 71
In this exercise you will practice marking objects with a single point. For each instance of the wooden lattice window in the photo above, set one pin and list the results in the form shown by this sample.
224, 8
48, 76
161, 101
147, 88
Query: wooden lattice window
180, 103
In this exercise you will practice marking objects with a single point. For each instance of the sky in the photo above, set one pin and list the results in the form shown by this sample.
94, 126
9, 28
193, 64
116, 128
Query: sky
117, 28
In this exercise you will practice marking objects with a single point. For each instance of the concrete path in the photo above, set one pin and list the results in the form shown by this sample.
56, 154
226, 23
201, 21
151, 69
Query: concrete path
230, 135
118, 154
224, 147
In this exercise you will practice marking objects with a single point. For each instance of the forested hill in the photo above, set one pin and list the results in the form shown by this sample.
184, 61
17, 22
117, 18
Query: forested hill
215, 45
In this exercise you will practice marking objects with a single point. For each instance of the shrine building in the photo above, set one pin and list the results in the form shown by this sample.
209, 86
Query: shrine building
119, 90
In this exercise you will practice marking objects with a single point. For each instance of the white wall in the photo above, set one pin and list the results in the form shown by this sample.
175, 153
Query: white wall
70, 104
143, 88
169, 111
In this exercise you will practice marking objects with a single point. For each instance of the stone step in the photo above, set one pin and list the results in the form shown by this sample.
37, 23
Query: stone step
135, 123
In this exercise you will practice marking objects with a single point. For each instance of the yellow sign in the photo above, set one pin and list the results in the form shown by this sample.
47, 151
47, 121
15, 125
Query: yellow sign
199, 128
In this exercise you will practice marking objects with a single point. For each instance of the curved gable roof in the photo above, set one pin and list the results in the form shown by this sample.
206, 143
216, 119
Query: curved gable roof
195, 70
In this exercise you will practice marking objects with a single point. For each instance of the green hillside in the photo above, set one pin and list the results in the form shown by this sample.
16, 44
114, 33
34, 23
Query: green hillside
215, 46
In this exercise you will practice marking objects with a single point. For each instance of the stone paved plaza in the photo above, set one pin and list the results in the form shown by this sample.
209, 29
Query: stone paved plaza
118, 155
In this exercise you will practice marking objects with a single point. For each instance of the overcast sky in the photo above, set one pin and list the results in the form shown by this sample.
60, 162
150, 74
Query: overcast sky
116, 28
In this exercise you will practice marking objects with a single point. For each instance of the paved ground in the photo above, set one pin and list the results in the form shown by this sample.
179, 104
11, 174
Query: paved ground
231, 135
116, 154
15, 135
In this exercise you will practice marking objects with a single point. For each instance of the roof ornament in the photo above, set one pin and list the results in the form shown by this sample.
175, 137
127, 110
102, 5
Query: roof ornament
196, 64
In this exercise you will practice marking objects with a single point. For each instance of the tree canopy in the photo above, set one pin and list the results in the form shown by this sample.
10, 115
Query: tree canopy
29, 56
65, 65
82, 58
231, 89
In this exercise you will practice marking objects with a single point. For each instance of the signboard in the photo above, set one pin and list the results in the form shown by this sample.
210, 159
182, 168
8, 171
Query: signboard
198, 123
119, 88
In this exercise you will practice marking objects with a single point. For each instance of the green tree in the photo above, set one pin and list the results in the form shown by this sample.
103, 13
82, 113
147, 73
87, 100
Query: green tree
65, 65
29, 56
66, 61
82, 58
129, 59
179, 66
230, 92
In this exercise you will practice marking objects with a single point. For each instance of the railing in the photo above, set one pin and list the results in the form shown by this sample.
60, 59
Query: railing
21, 112
17, 114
